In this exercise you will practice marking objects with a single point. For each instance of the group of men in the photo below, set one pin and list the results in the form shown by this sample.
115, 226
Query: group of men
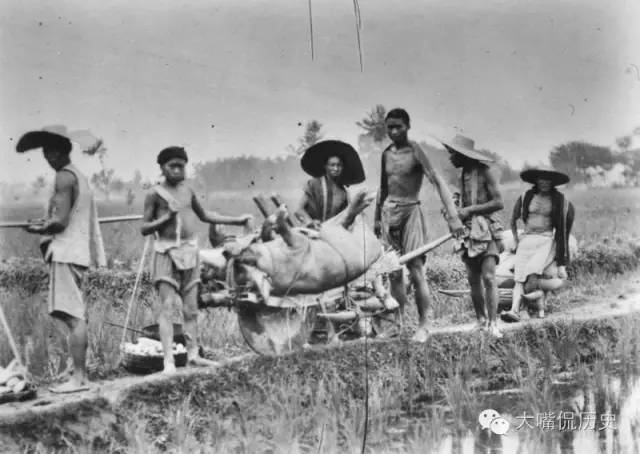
71, 241
471, 214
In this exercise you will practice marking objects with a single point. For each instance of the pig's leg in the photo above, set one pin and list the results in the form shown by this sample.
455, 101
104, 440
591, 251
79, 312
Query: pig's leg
267, 233
398, 290
383, 295
357, 205
293, 239
390, 304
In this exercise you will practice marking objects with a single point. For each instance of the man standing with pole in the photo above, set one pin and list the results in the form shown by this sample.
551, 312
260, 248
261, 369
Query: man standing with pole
71, 242
399, 217
480, 249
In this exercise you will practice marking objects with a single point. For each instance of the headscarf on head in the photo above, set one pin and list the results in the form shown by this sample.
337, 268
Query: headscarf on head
170, 153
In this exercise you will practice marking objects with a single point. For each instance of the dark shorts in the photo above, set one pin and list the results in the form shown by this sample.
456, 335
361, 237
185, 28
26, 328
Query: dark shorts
183, 281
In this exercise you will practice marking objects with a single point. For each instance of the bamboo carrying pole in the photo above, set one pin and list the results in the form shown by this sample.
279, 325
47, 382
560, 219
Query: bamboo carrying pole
105, 220
12, 341
147, 243
424, 249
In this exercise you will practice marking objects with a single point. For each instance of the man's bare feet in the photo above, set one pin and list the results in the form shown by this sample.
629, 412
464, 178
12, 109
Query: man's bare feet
169, 368
421, 335
481, 324
334, 340
494, 331
72, 385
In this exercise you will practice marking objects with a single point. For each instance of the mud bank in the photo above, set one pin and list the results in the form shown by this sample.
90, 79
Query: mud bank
100, 417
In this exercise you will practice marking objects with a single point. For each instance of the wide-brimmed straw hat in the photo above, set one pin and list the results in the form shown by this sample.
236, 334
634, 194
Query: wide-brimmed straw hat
316, 156
533, 174
53, 135
465, 146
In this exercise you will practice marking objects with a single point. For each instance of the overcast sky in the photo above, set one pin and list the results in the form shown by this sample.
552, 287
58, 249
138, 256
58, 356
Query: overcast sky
235, 77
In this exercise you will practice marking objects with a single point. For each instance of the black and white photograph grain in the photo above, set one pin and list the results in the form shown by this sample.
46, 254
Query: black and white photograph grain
320, 226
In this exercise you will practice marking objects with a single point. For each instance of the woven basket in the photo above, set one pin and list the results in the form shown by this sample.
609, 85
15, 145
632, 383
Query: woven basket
30, 392
144, 364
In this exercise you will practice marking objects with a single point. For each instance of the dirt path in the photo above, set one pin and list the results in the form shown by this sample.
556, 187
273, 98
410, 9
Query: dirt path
108, 394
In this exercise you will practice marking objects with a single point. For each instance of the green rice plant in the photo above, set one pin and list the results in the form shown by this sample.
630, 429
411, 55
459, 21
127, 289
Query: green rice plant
460, 399
567, 345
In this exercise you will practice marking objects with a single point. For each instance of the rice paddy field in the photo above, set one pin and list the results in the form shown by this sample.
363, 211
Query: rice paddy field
298, 414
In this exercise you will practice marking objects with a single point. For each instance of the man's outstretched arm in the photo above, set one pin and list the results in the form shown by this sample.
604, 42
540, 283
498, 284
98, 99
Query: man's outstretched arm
212, 217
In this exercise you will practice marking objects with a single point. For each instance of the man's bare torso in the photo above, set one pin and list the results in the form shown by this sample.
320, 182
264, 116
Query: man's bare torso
539, 220
404, 173
188, 219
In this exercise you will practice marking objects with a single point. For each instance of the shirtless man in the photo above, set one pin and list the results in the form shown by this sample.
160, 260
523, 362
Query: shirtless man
399, 217
542, 252
480, 200
170, 211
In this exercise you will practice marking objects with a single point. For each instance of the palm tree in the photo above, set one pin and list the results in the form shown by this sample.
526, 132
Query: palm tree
373, 123
312, 134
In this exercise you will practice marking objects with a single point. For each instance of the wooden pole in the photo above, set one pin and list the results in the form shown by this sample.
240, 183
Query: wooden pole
424, 249
12, 342
105, 220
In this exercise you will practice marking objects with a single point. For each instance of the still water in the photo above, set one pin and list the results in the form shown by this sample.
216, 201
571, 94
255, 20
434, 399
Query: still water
601, 415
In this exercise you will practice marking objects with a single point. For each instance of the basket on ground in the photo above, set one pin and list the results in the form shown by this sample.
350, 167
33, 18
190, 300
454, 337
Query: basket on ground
146, 356
29, 392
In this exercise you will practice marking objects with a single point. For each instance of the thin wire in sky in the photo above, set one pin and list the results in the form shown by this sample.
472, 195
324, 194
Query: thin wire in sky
356, 10
311, 29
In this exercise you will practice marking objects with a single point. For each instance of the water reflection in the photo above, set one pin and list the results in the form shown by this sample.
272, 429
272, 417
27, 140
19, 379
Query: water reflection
600, 415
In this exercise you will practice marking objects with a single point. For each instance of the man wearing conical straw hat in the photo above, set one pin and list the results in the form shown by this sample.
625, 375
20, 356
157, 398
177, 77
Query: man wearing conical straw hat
71, 240
480, 248
334, 165
543, 250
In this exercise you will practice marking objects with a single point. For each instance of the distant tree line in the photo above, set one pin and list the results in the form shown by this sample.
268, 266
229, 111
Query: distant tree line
582, 161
